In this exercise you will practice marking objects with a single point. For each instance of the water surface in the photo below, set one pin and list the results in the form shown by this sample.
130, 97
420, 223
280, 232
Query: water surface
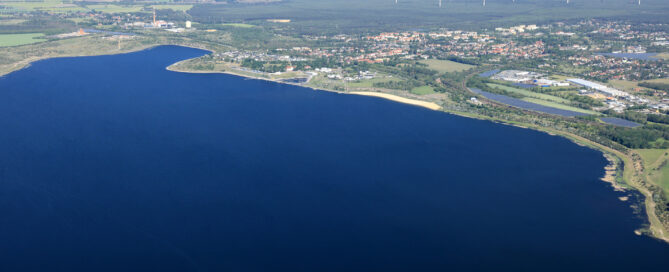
113, 163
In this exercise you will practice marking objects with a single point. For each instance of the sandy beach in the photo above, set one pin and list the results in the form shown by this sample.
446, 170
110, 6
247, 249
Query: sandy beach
415, 102
400, 99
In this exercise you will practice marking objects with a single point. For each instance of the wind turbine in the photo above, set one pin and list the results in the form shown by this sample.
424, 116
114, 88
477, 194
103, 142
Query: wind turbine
440, 3
484, 3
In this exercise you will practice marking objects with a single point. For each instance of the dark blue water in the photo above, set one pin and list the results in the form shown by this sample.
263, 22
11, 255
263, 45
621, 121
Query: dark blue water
519, 103
113, 163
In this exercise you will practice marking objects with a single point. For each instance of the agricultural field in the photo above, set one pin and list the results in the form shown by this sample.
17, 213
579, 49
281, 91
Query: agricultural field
446, 66
55, 6
656, 164
20, 39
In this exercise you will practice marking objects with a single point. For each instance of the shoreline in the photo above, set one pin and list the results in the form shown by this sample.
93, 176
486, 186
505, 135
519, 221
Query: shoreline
387, 96
23, 64
656, 228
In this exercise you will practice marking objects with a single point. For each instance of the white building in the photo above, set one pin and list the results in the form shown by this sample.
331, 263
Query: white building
598, 87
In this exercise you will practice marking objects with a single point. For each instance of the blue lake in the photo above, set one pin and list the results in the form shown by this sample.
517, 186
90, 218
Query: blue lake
113, 163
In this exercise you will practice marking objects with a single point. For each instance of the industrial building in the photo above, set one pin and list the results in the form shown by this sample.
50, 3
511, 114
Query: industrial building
598, 87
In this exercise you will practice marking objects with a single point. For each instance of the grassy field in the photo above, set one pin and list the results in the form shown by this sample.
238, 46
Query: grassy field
173, 7
239, 25
115, 8
368, 83
623, 84
630, 85
656, 164
20, 39
445, 66
559, 106
530, 94
422, 90
659, 80
559, 77
55, 6
12, 22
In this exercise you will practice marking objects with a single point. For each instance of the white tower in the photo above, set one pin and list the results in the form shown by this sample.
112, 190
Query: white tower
440, 3
484, 3
188, 24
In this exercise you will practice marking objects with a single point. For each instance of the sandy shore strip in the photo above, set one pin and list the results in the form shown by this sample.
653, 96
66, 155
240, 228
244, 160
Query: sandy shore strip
400, 99
415, 102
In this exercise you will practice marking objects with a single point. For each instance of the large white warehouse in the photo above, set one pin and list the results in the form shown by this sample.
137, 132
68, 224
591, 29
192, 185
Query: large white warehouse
599, 87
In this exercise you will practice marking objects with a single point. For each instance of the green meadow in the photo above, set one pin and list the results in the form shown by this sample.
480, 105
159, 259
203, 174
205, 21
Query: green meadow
115, 8
20, 39
239, 25
445, 66
656, 166
530, 93
422, 90
559, 106
173, 7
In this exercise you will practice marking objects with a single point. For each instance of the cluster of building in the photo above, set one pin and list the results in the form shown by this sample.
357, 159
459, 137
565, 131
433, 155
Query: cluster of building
612, 92
240, 55
619, 68
528, 79
617, 100
158, 24
338, 75
516, 29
